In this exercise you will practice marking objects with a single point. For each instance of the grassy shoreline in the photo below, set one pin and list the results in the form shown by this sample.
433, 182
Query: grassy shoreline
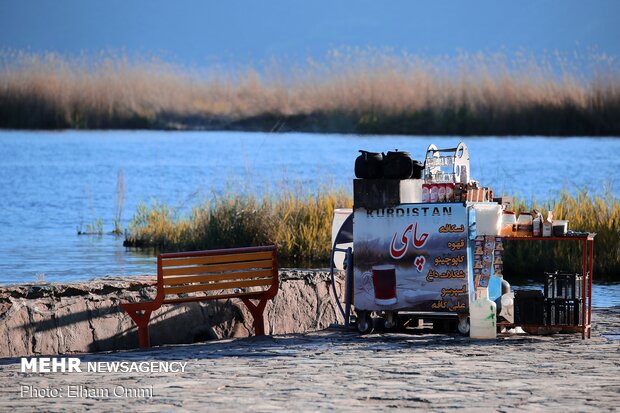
361, 92
300, 226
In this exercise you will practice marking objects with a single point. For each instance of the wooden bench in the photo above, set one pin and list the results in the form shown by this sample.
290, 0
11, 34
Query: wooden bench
244, 273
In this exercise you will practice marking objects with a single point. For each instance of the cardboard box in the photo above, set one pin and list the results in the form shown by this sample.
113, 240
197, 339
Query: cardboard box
547, 229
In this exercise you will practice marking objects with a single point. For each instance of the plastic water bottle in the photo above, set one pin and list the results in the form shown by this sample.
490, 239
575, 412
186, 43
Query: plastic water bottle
482, 316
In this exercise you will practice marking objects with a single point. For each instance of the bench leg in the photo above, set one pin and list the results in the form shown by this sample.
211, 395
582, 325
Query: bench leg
142, 321
257, 313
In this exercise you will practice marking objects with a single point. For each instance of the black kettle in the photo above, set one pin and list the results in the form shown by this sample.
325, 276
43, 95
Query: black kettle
397, 165
418, 169
369, 165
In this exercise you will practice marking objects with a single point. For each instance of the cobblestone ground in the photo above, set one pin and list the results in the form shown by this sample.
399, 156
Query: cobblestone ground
340, 370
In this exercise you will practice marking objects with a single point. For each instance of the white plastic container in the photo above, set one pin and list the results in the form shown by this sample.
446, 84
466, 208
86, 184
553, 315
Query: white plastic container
560, 227
488, 218
482, 316
340, 215
508, 306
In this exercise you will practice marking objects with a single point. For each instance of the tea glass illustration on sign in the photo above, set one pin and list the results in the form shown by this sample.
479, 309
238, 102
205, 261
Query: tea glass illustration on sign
383, 278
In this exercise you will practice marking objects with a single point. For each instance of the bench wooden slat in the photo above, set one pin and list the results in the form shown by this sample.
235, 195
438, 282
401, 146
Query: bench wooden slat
217, 277
203, 269
218, 286
255, 294
224, 251
216, 259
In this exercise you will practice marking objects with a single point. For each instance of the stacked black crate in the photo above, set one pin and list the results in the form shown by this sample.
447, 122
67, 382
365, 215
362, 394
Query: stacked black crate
529, 307
563, 295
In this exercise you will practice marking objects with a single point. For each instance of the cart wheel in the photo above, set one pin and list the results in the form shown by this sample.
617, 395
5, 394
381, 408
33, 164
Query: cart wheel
463, 326
364, 322
392, 321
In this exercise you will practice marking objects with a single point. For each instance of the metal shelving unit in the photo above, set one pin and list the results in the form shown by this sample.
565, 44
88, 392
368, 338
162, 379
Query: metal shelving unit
586, 282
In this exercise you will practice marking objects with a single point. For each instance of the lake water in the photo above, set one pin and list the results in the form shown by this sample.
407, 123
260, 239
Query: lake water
52, 183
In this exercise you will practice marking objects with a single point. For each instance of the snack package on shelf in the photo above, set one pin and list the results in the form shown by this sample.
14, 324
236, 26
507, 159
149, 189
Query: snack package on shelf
537, 223
547, 227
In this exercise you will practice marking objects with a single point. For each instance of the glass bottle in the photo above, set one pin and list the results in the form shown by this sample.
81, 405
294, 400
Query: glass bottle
509, 224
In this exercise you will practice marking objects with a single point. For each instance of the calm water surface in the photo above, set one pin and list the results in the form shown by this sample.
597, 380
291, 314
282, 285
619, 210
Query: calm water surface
53, 183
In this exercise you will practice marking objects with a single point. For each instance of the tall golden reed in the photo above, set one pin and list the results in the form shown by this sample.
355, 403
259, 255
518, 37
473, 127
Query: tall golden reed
363, 91
300, 225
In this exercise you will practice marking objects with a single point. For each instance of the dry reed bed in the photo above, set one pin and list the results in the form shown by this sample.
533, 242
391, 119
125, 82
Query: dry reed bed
352, 91
300, 225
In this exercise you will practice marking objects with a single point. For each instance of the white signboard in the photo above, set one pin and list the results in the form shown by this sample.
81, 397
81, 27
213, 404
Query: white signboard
411, 257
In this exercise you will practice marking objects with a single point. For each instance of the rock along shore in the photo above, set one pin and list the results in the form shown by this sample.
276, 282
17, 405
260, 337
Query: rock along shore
85, 317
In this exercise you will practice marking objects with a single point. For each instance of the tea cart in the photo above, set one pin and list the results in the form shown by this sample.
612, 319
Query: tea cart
422, 247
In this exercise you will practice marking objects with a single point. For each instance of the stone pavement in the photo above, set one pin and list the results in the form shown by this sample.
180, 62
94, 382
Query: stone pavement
338, 370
